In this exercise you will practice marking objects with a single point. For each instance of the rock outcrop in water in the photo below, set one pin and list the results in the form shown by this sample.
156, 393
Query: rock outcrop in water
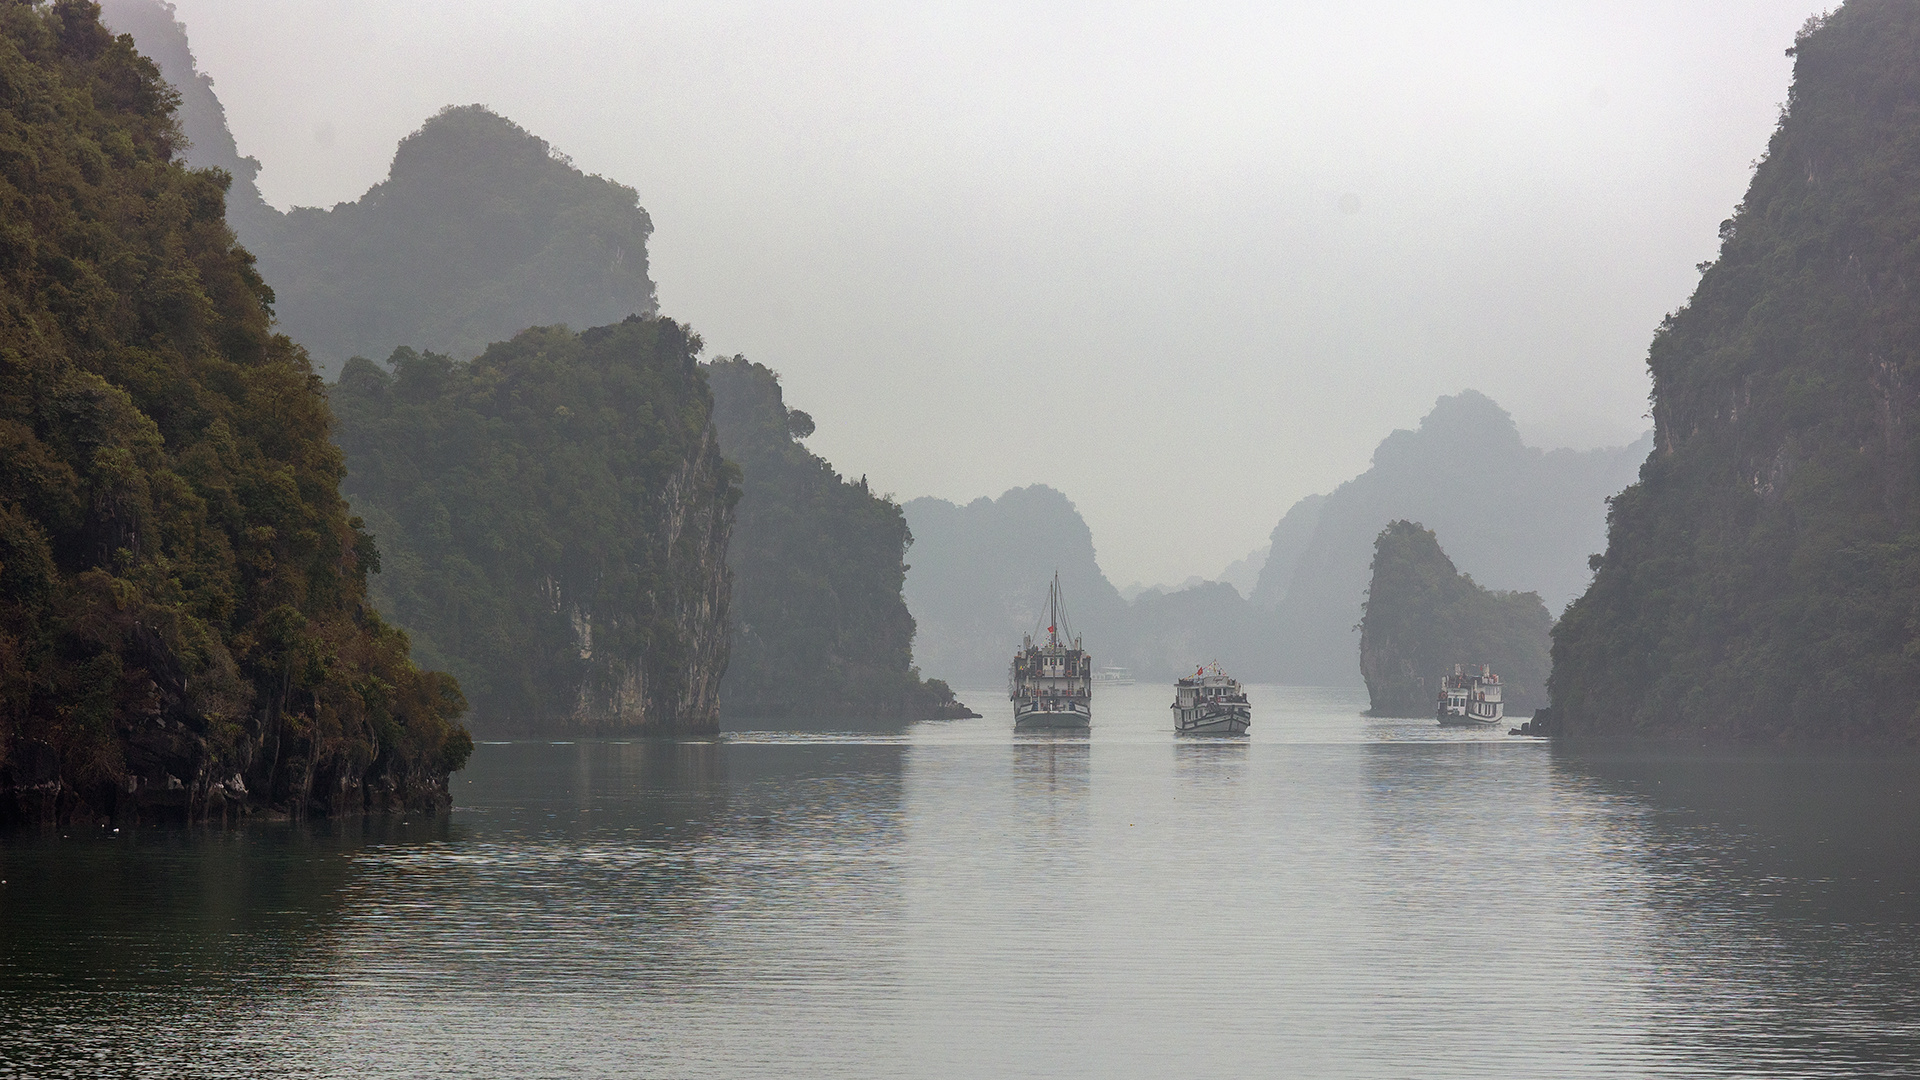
184, 630
554, 517
1762, 580
1515, 516
1422, 616
1521, 518
820, 629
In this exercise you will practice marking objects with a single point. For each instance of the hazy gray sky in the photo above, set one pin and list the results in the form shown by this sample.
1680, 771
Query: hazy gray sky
1186, 262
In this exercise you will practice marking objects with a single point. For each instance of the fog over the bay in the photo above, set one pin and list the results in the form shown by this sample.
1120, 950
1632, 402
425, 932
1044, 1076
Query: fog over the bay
1185, 262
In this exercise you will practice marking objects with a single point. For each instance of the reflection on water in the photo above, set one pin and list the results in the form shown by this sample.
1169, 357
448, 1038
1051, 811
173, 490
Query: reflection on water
1783, 897
1332, 896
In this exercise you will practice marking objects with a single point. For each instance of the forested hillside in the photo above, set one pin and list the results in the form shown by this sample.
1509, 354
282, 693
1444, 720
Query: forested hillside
1422, 616
203, 120
184, 629
819, 626
1762, 580
554, 519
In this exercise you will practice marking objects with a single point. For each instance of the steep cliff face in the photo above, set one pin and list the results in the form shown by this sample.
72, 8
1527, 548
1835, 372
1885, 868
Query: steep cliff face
820, 628
1423, 616
555, 516
1762, 580
183, 622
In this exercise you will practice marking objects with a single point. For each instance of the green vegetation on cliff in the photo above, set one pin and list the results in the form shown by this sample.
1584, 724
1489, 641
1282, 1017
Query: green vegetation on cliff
820, 628
554, 519
1422, 616
183, 618
1762, 580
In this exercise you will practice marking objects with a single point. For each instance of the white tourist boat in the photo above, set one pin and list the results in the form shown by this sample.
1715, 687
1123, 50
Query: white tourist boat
1051, 681
1210, 703
1113, 676
1471, 700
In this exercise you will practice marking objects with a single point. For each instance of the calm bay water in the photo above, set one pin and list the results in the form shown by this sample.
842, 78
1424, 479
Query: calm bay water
1332, 897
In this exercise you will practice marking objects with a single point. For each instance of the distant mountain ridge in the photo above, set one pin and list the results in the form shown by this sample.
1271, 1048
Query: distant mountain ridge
1517, 518
977, 578
1514, 516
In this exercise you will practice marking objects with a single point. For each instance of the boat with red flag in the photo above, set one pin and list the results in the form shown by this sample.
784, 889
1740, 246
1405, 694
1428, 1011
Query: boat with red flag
1051, 681
1210, 703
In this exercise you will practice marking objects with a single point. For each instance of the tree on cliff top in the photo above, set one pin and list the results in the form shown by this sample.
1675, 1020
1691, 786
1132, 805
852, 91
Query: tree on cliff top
820, 628
1762, 580
1422, 616
554, 516
182, 593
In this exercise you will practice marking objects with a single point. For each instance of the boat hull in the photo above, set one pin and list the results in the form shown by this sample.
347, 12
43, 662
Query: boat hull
1052, 715
1449, 718
1228, 720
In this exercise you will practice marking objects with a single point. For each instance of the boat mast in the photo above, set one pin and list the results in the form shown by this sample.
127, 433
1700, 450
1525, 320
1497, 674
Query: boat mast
1053, 611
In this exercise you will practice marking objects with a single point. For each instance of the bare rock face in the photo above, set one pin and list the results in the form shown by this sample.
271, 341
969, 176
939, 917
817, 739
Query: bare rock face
682, 698
1761, 581
554, 519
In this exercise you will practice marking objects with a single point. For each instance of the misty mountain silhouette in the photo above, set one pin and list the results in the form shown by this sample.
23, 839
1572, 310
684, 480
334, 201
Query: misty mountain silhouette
1515, 517
480, 230
978, 576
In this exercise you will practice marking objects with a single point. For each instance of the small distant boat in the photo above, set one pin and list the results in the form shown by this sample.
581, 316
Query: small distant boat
1210, 703
1113, 676
1470, 700
1051, 682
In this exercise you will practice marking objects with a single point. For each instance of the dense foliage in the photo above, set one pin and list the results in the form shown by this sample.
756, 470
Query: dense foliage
1762, 580
820, 628
182, 593
1422, 616
159, 35
554, 518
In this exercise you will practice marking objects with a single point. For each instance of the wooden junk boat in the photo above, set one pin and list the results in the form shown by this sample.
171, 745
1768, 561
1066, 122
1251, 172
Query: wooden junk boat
1051, 681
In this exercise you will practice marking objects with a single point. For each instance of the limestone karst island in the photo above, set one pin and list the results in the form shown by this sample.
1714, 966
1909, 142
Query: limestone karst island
647, 540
